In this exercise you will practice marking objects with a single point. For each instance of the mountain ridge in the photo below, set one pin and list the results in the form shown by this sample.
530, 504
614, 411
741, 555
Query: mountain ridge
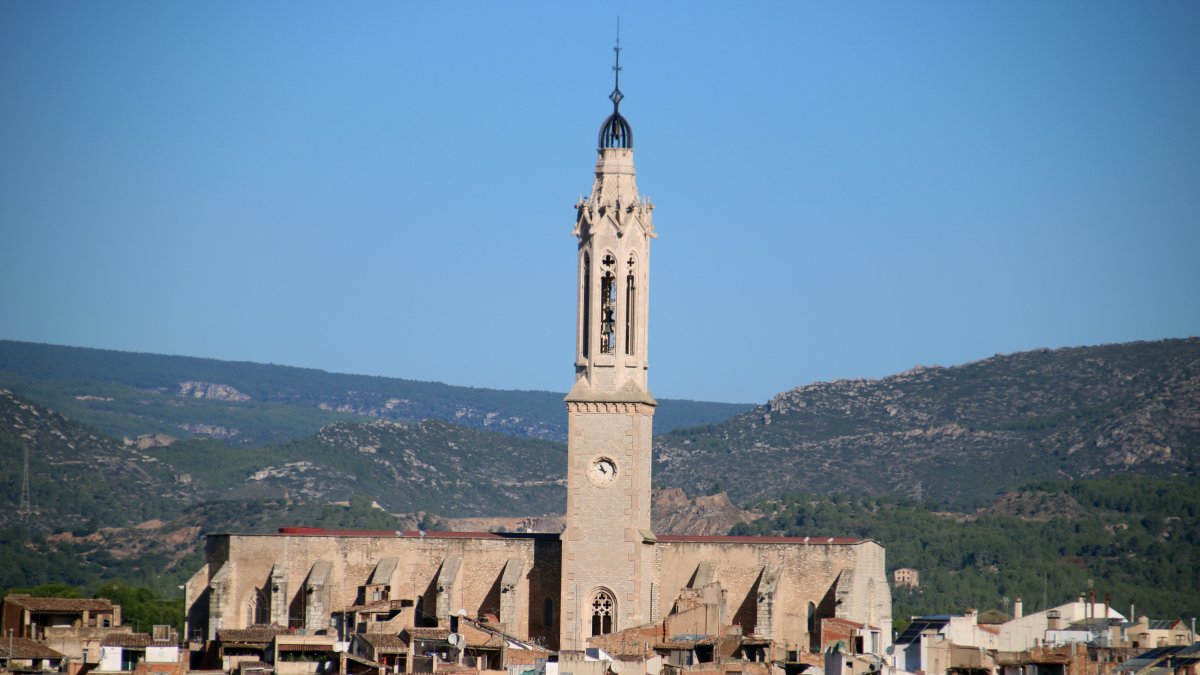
930, 432
130, 394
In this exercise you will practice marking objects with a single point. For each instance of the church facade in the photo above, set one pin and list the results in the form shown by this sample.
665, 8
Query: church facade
607, 572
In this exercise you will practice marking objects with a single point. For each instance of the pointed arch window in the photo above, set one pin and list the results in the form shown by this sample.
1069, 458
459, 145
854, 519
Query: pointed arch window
603, 612
630, 308
256, 611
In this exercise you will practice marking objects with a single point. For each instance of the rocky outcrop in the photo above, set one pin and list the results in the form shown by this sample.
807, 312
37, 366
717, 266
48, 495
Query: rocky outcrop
673, 513
209, 390
147, 441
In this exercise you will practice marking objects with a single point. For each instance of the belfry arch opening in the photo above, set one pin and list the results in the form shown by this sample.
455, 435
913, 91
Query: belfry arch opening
608, 304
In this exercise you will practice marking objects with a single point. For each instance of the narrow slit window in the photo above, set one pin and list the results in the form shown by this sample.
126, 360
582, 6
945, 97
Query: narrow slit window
587, 305
630, 312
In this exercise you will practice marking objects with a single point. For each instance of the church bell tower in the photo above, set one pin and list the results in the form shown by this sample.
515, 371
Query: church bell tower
609, 573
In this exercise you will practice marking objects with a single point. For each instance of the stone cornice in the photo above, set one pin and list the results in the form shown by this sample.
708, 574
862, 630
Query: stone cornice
619, 407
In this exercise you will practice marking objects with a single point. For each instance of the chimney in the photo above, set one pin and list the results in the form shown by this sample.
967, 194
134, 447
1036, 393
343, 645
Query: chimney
1018, 609
1053, 620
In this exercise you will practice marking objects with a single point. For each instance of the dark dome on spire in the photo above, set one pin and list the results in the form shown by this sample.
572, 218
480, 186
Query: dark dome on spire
616, 132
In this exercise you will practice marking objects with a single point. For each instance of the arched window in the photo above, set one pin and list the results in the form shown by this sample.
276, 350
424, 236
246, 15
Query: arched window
604, 608
587, 304
548, 613
630, 309
256, 611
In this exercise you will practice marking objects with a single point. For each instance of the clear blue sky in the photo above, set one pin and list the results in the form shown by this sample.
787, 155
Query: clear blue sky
843, 189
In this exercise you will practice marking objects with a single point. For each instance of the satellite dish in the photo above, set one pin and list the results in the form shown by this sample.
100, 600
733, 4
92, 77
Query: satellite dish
890, 650
614, 666
462, 611
454, 639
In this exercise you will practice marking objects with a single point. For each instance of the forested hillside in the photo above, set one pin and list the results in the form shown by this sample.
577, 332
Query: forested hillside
127, 394
1137, 539
959, 434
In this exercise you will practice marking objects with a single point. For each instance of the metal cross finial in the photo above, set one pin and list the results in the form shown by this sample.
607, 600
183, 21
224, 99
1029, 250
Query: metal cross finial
616, 94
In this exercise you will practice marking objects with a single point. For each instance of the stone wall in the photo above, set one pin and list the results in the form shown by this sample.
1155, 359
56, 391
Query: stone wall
607, 522
240, 568
816, 572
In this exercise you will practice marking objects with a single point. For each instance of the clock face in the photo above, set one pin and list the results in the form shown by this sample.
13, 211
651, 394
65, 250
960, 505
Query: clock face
602, 472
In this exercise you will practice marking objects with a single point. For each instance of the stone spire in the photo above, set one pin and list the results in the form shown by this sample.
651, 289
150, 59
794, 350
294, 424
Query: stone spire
614, 225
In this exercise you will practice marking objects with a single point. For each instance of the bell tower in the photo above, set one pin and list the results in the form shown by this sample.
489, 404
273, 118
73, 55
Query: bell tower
609, 573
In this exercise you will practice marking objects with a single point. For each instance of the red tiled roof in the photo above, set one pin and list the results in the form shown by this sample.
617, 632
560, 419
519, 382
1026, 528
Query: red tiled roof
305, 646
300, 531
686, 643
715, 539
24, 648
489, 642
377, 606
127, 640
843, 622
251, 635
428, 633
384, 643
60, 604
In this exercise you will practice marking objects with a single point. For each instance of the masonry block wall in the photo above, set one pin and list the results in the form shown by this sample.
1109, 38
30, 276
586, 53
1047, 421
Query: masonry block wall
607, 522
249, 560
807, 573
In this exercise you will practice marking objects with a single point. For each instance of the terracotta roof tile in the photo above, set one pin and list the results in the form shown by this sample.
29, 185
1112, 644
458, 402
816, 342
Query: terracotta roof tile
428, 633
24, 648
687, 642
132, 640
251, 635
297, 531
384, 642
60, 604
378, 606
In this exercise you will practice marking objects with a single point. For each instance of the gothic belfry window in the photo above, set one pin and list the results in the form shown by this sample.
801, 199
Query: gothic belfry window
630, 309
587, 304
603, 608
608, 305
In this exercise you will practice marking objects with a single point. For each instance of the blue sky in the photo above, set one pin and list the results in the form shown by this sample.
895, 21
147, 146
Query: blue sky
842, 190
